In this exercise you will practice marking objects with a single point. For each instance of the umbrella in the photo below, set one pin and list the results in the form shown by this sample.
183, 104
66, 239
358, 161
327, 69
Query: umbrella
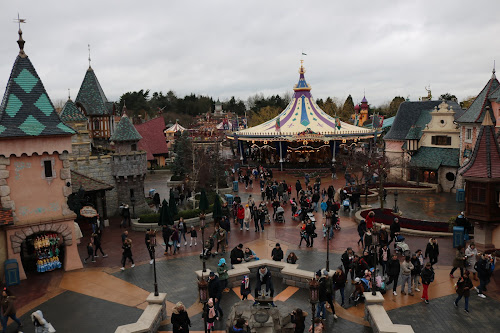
217, 208
163, 213
203, 201
172, 205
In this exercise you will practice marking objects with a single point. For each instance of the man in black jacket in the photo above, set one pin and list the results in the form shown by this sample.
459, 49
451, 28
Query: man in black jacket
395, 230
237, 255
277, 253
215, 291
346, 259
393, 268
483, 272
264, 277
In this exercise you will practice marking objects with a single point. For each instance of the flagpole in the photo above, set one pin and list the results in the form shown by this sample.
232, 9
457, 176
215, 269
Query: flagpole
281, 157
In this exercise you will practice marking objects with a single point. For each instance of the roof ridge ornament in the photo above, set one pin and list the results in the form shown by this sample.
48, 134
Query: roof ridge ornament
89, 56
20, 41
493, 76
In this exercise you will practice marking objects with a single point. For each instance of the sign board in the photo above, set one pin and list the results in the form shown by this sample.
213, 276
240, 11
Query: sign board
88, 211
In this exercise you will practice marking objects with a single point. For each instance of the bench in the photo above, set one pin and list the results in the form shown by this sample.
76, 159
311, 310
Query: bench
382, 323
151, 317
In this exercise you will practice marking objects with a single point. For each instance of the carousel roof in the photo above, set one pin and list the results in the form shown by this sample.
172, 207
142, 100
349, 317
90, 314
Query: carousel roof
302, 115
175, 128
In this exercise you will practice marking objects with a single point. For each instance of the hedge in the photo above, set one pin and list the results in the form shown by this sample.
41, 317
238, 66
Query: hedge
186, 214
176, 178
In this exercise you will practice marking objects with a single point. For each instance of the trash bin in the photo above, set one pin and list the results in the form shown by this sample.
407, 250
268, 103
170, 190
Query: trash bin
460, 196
11, 272
235, 186
229, 199
458, 236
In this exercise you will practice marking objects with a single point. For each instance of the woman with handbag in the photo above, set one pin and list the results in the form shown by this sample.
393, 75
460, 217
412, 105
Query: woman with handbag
41, 324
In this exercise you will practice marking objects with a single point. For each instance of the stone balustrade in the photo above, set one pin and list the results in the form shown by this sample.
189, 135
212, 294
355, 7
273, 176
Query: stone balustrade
378, 318
150, 320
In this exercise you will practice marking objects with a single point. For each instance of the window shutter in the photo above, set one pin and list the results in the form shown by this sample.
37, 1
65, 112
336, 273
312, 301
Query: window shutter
448, 140
433, 140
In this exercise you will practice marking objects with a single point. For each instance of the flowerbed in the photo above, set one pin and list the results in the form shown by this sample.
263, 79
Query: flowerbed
386, 216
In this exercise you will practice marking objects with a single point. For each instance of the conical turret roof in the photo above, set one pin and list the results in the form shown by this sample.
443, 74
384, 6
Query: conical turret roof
26, 109
91, 96
71, 114
125, 131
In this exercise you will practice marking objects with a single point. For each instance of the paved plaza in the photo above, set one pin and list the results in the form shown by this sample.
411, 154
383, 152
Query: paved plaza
100, 297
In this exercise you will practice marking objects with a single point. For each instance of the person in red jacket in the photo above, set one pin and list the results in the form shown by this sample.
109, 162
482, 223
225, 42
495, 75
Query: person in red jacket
240, 215
370, 219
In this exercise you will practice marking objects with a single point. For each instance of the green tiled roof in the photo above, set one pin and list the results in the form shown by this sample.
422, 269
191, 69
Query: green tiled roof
92, 98
475, 112
26, 109
432, 158
414, 133
125, 131
70, 113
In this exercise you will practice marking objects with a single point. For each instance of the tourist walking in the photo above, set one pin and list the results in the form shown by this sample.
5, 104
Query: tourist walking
415, 272
464, 285
471, 254
322, 296
97, 242
8, 309
156, 202
339, 280
347, 258
180, 319
298, 187
215, 291
384, 256
90, 252
40, 323
432, 251
310, 228
124, 236
127, 253
361, 232
221, 236
125, 215
393, 269
240, 215
406, 268
166, 233
247, 217
427, 277
175, 239
483, 269
194, 236
395, 230
458, 261
211, 314
150, 240
183, 230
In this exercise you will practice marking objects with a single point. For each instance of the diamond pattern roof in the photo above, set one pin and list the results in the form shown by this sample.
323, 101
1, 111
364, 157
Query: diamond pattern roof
91, 96
70, 113
26, 109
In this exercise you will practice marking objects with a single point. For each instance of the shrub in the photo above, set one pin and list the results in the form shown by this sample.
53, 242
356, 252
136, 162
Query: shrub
185, 214
176, 178
149, 218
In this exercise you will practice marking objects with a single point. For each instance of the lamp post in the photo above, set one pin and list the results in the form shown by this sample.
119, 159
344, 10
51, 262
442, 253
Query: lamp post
375, 243
396, 209
313, 298
153, 246
202, 224
203, 294
328, 222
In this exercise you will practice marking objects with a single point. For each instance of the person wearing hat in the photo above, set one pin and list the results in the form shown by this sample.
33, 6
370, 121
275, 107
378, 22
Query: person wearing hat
215, 291
264, 277
223, 276
277, 253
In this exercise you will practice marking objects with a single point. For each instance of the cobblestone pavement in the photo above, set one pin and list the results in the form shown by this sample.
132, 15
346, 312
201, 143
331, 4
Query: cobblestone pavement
101, 288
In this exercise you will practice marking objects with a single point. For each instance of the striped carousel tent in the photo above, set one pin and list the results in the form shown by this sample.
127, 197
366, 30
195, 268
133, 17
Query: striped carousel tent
174, 128
301, 128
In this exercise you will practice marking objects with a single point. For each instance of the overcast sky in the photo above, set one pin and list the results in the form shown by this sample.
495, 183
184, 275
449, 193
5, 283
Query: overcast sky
240, 48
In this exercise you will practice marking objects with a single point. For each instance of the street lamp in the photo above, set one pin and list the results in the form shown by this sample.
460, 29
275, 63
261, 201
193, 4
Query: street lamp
313, 297
153, 246
375, 244
328, 222
396, 209
203, 294
202, 225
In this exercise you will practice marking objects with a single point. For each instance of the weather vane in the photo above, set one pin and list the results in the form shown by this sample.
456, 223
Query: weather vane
89, 55
19, 21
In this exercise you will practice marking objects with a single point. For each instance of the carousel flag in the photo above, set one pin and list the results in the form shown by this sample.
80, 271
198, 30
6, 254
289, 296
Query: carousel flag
304, 53
278, 125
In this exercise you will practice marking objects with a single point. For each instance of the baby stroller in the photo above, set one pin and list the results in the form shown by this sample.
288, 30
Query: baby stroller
401, 246
207, 249
280, 215
360, 287
336, 225
347, 205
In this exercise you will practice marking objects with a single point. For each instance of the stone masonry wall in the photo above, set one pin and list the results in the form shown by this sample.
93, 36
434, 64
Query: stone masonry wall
123, 187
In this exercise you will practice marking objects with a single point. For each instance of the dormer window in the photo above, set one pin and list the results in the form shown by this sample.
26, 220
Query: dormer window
441, 140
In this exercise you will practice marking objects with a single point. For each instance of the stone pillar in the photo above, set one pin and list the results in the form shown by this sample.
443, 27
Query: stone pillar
483, 232
378, 299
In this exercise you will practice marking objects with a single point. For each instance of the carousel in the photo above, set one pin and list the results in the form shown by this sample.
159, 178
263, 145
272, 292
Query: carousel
301, 136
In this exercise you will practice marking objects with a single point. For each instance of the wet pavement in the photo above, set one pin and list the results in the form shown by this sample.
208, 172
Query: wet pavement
102, 287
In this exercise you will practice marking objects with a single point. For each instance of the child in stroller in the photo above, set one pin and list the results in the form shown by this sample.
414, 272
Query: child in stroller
401, 245
207, 249
360, 287
280, 215
347, 205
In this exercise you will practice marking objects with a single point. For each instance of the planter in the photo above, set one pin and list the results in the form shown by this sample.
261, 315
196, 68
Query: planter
136, 226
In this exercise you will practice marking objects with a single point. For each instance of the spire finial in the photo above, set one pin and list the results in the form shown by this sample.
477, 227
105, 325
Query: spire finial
69, 94
89, 55
20, 41
493, 76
